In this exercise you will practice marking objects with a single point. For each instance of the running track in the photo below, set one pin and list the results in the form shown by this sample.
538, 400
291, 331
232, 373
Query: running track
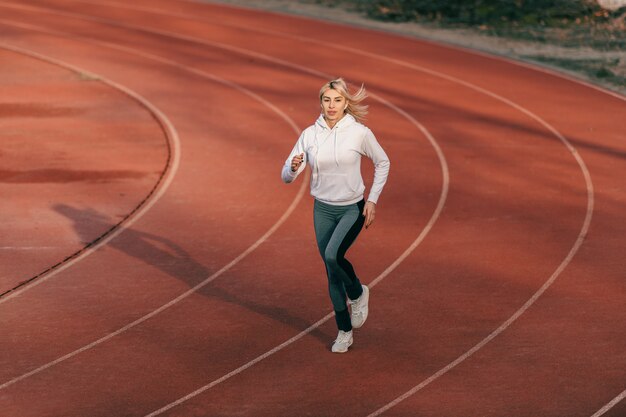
154, 264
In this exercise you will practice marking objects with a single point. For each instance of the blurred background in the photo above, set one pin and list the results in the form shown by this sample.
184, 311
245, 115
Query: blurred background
585, 38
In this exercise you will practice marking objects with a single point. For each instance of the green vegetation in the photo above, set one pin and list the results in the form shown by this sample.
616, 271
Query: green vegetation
492, 12
602, 69
562, 22
579, 25
602, 31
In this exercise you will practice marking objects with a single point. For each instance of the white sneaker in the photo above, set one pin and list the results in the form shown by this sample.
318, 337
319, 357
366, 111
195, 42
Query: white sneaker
343, 342
359, 308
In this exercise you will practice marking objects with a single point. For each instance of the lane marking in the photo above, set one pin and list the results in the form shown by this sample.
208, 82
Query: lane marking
372, 284
610, 404
535, 66
159, 189
464, 49
256, 244
508, 322
572, 150
422, 235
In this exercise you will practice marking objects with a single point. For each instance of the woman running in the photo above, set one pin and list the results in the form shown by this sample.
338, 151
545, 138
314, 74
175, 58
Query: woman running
333, 147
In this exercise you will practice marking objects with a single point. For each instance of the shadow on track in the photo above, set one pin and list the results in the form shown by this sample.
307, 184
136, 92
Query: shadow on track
173, 260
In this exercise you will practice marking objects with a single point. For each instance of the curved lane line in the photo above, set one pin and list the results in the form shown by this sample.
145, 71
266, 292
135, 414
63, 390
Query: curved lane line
580, 239
421, 236
388, 270
611, 404
139, 211
439, 43
373, 283
464, 49
548, 283
256, 244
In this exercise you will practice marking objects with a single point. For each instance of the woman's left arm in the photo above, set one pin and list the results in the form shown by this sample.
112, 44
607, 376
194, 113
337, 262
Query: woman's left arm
373, 150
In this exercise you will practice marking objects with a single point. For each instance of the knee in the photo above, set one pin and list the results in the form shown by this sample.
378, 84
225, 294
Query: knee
330, 258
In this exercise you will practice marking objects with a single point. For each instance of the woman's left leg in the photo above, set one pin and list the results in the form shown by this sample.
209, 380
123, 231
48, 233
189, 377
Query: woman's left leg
341, 276
336, 229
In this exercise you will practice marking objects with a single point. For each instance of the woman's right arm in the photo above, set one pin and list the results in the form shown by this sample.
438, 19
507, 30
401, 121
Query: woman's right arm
297, 158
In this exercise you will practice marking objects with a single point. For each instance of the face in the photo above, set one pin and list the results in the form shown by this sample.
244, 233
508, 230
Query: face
333, 106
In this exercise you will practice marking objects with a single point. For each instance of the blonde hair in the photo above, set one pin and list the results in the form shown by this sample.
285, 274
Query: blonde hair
355, 108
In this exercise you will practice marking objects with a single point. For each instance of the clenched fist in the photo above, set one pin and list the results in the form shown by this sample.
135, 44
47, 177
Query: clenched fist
296, 162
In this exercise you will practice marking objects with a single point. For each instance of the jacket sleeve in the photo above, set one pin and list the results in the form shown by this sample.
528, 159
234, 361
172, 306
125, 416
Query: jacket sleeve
287, 174
373, 150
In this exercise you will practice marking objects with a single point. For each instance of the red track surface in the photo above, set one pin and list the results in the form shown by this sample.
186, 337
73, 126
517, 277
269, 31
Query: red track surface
497, 256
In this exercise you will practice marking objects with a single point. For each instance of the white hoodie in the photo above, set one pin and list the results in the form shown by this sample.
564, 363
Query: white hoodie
335, 159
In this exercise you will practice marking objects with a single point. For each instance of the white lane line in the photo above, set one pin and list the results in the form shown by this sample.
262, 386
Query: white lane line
440, 43
577, 244
610, 404
373, 283
402, 257
580, 239
256, 244
166, 180
461, 82
422, 235
464, 49
518, 313
503, 326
